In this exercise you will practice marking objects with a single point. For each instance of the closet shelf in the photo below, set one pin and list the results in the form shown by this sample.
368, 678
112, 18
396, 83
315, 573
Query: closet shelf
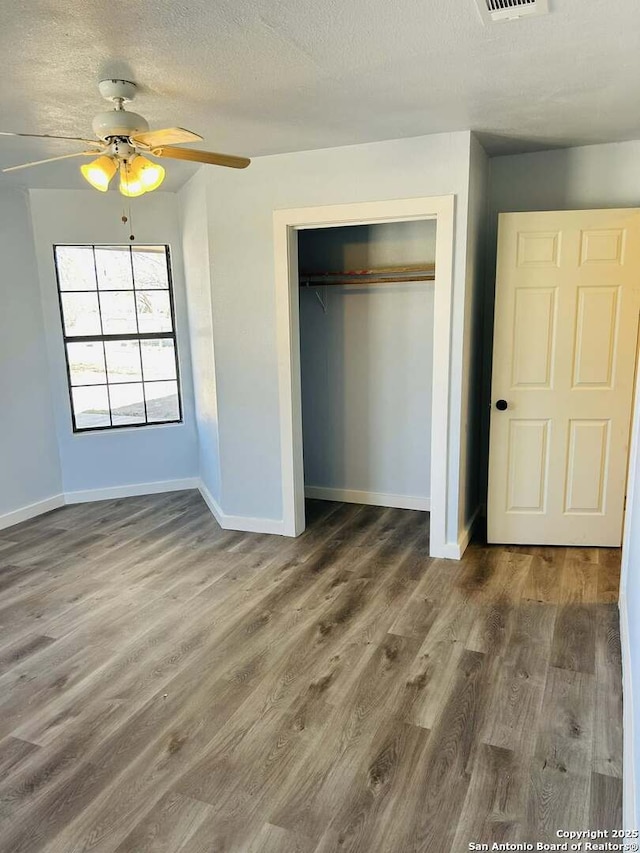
380, 275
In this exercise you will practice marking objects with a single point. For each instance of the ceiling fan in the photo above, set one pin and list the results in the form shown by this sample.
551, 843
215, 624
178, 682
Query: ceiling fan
123, 138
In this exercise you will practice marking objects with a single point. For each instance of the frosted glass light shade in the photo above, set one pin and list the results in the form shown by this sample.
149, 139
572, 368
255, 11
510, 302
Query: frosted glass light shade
130, 179
99, 172
137, 176
151, 174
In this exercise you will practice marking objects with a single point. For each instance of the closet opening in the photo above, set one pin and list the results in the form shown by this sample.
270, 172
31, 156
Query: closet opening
366, 319
364, 307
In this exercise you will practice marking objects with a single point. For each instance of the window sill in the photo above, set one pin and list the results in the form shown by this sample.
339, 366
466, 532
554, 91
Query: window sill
125, 429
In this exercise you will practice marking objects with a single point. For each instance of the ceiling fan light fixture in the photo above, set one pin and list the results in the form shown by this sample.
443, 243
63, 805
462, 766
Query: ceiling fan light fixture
131, 184
99, 172
151, 174
122, 137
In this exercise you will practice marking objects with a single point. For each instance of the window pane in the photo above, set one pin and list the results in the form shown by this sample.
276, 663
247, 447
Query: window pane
162, 401
91, 407
114, 268
123, 361
127, 404
117, 294
80, 312
118, 313
158, 359
75, 267
150, 267
154, 310
86, 364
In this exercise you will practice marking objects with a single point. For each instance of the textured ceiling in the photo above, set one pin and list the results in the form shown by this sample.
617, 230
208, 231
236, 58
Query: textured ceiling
268, 76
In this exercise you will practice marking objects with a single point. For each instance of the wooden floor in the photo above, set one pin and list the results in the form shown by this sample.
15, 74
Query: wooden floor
169, 686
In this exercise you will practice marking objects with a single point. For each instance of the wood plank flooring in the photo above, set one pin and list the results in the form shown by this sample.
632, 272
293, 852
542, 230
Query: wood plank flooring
169, 686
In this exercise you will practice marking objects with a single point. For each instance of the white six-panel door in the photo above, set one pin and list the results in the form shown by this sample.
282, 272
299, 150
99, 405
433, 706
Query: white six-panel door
565, 342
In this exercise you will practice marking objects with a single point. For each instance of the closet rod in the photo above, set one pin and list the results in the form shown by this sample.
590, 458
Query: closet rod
382, 275
304, 282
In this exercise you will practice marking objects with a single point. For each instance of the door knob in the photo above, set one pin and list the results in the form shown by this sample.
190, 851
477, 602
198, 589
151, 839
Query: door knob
501, 405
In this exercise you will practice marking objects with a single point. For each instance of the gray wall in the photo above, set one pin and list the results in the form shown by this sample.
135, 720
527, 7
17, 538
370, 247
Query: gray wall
367, 362
358, 247
241, 206
594, 176
473, 366
197, 265
29, 463
123, 457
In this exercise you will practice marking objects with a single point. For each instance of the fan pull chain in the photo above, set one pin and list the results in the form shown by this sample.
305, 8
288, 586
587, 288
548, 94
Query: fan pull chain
124, 217
128, 219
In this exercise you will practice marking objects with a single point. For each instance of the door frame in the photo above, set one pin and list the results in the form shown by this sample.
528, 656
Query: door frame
630, 773
286, 224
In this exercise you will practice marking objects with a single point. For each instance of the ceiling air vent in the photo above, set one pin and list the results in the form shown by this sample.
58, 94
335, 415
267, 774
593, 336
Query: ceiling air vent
508, 10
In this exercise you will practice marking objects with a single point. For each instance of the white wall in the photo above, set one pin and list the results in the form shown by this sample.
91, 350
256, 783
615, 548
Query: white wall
367, 364
29, 463
107, 459
598, 176
195, 244
241, 206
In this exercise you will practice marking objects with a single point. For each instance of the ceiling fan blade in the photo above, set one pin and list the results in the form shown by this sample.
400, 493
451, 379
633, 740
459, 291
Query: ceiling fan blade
50, 160
51, 136
168, 136
202, 157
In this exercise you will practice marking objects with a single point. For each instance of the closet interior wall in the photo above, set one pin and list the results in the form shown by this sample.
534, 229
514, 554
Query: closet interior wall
366, 365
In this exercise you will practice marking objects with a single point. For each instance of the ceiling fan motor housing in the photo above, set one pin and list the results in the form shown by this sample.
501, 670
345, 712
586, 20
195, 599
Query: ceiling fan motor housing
117, 90
118, 123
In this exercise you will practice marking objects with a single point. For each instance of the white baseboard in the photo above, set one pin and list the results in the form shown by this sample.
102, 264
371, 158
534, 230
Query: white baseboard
133, 490
212, 503
240, 522
449, 551
455, 550
226, 521
629, 811
353, 496
30, 511
231, 522
87, 495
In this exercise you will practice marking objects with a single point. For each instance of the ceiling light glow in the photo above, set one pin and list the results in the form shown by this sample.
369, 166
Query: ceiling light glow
131, 184
100, 172
151, 174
